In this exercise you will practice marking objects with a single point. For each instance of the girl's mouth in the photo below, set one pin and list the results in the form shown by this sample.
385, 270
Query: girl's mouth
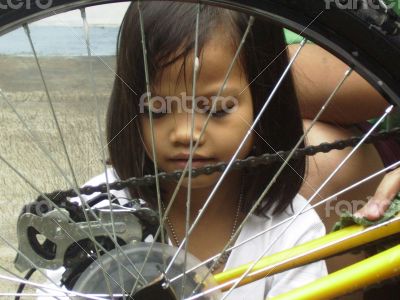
179, 161
196, 163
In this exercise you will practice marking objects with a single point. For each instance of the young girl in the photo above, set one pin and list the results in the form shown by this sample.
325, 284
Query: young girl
169, 33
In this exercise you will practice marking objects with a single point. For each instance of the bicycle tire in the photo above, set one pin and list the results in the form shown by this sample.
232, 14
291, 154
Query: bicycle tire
350, 35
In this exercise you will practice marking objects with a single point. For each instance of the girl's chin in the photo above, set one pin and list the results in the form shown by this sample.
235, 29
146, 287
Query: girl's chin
202, 181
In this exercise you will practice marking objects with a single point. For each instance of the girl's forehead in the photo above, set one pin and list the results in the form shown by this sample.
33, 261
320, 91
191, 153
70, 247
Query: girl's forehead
214, 61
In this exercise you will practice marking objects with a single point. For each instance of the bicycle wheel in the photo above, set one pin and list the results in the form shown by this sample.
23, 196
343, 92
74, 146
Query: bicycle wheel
352, 35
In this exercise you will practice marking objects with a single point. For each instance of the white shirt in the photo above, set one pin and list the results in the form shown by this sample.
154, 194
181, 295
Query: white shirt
305, 227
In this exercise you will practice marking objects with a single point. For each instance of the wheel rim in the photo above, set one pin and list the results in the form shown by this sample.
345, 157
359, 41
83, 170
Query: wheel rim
311, 34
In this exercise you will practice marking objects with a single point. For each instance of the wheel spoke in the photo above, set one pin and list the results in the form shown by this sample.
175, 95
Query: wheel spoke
164, 208
53, 113
86, 31
321, 202
270, 269
180, 181
250, 23
196, 67
28, 259
55, 119
266, 104
37, 141
160, 230
153, 141
280, 170
75, 185
153, 146
310, 199
57, 291
70, 220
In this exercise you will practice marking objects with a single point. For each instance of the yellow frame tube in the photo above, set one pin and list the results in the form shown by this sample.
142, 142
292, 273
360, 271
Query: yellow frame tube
369, 271
328, 245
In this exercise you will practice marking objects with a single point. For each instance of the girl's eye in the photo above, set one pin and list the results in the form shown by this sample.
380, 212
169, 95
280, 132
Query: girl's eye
155, 114
219, 113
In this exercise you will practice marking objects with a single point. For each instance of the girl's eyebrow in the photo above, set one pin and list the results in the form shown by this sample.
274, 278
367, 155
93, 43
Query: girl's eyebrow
228, 91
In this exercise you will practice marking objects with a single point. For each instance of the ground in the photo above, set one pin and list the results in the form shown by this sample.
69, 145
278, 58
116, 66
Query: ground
75, 106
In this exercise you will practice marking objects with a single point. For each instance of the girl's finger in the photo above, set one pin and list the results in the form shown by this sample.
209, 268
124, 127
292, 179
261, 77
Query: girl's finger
379, 203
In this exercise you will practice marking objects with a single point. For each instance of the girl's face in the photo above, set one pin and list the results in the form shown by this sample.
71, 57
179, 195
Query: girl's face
172, 113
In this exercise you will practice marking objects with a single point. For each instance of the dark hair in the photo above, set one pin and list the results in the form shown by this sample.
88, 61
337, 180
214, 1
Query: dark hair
169, 26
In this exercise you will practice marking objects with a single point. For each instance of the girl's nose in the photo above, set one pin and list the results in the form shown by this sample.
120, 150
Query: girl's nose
180, 134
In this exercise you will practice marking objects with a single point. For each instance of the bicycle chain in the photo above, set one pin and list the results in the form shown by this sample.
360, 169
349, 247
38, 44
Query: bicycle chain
60, 197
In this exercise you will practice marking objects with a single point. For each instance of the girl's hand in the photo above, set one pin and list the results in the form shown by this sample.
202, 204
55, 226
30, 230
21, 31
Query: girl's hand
379, 203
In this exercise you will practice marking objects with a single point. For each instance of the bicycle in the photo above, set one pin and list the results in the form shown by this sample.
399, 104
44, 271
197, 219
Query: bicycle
379, 68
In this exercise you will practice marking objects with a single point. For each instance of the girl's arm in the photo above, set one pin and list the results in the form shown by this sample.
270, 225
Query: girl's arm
316, 73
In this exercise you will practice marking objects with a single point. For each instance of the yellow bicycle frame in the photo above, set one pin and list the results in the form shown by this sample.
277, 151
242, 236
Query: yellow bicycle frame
369, 271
